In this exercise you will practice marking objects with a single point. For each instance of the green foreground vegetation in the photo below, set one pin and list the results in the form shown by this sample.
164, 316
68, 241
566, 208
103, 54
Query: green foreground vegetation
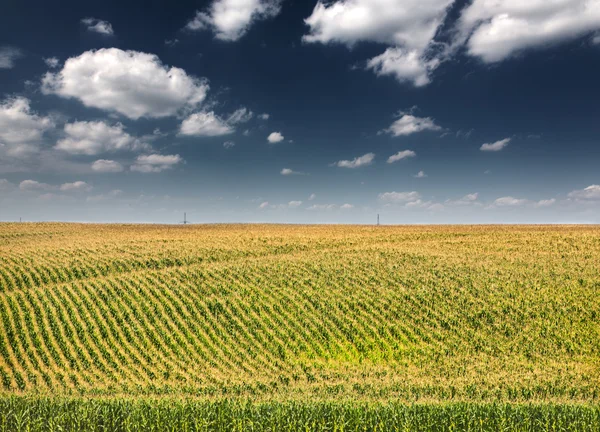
267, 327
33, 415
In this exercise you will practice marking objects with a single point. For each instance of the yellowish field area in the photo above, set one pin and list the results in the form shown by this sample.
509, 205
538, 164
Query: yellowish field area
475, 313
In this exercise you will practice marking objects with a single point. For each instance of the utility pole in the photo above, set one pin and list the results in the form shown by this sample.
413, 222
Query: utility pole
377, 219
184, 218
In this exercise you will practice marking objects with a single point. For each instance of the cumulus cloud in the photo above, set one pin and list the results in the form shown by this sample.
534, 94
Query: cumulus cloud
52, 62
206, 124
346, 206
155, 163
509, 201
107, 166
264, 116
98, 26
289, 205
405, 65
228, 144
33, 185
322, 207
401, 155
495, 146
8, 55
495, 30
545, 203
468, 199
20, 128
409, 124
420, 174
275, 137
399, 197
408, 27
408, 200
78, 186
590, 193
410, 23
491, 30
288, 171
366, 159
230, 19
131, 83
95, 137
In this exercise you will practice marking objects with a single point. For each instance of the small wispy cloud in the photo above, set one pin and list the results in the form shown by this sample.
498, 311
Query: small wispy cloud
404, 154
495, 146
357, 162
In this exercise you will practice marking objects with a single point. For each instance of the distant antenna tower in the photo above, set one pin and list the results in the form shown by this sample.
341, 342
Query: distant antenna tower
185, 221
377, 219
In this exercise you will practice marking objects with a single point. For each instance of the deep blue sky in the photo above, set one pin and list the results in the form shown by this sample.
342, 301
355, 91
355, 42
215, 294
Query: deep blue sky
538, 92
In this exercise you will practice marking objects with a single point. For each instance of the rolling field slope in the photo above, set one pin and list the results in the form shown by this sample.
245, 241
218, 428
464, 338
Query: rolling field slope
507, 314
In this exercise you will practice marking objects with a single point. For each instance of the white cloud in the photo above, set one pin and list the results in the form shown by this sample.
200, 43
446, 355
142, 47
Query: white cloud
497, 29
322, 207
509, 201
107, 166
264, 116
406, 23
401, 155
288, 171
399, 197
468, 199
231, 19
33, 185
78, 186
420, 174
346, 207
131, 83
357, 162
406, 26
275, 137
491, 30
405, 66
312, 197
427, 205
8, 55
495, 146
20, 128
228, 144
409, 124
590, 193
52, 62
241, 115
95, 137
264, 205
294, 204
206, 124
98, 26
545, 203
155, 163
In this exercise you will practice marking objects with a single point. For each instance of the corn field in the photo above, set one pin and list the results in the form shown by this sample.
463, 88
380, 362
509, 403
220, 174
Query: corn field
381, 326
